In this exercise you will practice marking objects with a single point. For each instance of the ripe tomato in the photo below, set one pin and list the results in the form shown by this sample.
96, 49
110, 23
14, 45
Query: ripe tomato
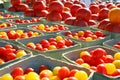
19, 78
39, 5
101, 69
54, 16
17, 72
63, 72
15, 2
29, 70
56, 6
10, 56
68, 4
21, 7
70, 20
80, 23
94, 9
66, 15
74, 8
103, 24
29, 13
42, 13
103, 13
84, 13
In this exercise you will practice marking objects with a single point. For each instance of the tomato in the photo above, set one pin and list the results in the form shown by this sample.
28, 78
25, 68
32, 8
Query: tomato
101, 69
74, 8
39, 47
91, 22
63, 72
21, 7
68, 4
42, 67
103, 24
17, 72
10, 56
80, 23
87, 58
39, 5
29, 13
79, 61
12, 8
29, 70
94, 9
8, 46
70, 20
15, 2
68, 42
42, 13
72, 72
102, 6
66, 15
54, 16
103, 13
56, 6
83, 13
19, 78
61, 44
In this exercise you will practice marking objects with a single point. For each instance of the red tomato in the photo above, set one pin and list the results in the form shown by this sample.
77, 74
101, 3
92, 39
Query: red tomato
17, 72
83, 13
54, 16
72, 72
42, 67
72, 78
15, 2
101, 69
68, 33
8, 46
39, 5
74, 8
29, 70
68, 42
79, 61
56, 6
29, 13
63, 72
21, 7
10, 56
70, 20
19, 78
91, 22
80, 23
98, 53
65, 15
94, 9
39, 47
116, 73
87, 58
12, 8
68, 4
61, 44
42, 13
103, 24
103, 13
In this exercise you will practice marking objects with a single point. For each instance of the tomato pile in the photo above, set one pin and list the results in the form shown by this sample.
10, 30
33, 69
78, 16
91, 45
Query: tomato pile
8, 53
51, 44
44, 73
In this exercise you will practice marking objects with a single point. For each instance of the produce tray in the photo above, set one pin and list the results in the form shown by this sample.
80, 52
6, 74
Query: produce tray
74, 55
11, 27
35, 62
71, 56
46, 22
25, 24
14, 44
88, 43
52, 53
113, 35
20, 28
110, 43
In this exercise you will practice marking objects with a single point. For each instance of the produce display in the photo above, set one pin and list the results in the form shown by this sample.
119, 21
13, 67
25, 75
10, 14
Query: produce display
85, 35
6, 25
60, 26
9, 52
25, 21
18, 34
51, 44
49, 28
8, 15
44, 73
